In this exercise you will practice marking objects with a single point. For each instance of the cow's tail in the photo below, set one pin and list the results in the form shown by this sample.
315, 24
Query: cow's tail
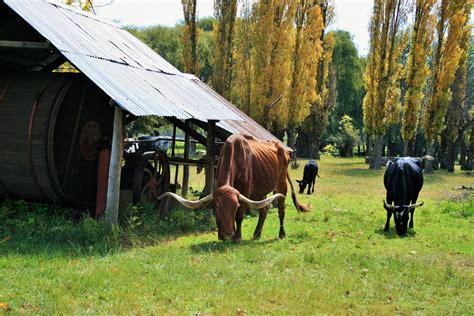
299, 207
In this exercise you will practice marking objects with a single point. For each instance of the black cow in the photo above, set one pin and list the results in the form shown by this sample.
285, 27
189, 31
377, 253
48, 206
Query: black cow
403, 181
309, 176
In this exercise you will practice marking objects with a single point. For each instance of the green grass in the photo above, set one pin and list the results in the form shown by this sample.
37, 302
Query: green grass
335, 260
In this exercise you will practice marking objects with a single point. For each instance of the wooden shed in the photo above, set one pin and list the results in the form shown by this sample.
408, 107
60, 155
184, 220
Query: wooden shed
55, 126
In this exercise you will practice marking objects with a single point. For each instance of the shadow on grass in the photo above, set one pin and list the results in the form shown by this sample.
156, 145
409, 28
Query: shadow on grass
222, 246
361, 172
392, 233
49, 231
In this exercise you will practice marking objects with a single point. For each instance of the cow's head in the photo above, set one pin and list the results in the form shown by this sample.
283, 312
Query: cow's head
302, 185
400, 214
225, 202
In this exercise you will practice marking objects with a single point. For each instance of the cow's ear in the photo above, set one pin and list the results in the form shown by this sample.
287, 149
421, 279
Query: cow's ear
299, 181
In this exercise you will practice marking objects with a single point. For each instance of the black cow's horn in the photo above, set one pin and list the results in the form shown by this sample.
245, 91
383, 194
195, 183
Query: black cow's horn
262, 203
413, 206
390, 207
189, 204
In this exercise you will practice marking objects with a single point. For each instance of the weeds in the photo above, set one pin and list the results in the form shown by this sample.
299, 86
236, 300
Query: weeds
29, 227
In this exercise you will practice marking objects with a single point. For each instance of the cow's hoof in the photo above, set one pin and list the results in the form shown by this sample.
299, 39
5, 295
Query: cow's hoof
385, 229
256, 237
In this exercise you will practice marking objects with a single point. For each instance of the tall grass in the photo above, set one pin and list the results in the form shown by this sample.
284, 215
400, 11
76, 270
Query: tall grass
335, 259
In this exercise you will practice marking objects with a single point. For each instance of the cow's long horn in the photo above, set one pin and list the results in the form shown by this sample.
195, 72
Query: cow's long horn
189, 204
390, 207
413, 206
262, 203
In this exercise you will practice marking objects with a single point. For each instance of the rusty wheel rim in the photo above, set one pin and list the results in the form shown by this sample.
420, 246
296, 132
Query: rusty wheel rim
151, 177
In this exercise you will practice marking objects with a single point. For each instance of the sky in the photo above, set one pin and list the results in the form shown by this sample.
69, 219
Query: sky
351, 15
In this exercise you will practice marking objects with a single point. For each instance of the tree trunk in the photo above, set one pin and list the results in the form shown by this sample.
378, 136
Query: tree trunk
443, 159
314, 149
376, 155
291, 137
368, 152
450, 157
430, 150
405, 148
463, 153
470, 154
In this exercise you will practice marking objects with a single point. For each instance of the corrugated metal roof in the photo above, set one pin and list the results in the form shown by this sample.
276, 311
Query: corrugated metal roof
245, 125
138, 79
131, 73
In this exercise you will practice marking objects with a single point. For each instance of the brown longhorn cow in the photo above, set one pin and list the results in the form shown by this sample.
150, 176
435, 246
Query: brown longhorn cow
248, 170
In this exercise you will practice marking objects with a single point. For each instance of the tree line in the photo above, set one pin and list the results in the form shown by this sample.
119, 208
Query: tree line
277, 61
416, 80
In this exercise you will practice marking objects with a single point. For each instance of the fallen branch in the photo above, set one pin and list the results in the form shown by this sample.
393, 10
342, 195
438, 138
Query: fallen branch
463, 187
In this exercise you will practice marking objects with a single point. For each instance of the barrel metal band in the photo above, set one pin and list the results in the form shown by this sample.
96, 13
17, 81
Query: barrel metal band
4, 92
30, 131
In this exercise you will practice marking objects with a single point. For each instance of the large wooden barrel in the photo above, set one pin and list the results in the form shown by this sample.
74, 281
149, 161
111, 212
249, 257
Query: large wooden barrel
51, 128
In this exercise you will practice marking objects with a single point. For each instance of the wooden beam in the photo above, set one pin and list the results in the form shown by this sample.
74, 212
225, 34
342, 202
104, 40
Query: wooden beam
187, 147
211, 139
182, 126
173, 148
26, 44
220, 133
115, 170
187, 162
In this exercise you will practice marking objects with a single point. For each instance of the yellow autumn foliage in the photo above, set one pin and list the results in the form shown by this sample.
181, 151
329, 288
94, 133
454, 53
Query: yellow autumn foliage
190, 38
446, 63
381, 104
417, 65
272, 62
307, 51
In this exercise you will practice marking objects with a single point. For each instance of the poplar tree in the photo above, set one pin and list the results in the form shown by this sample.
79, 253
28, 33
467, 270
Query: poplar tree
381, 103
307, 50
314, 125
190, 38
242, 87
272, 62
451, 16
316, 122
467, 153
454, 114
225, 12
417, 69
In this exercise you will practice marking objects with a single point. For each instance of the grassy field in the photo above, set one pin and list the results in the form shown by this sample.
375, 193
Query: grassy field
335, 260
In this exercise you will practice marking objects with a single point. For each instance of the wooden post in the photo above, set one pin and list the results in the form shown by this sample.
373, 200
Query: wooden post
102, 182
211, 140
173, 153
187, 144
113, 189
174, 141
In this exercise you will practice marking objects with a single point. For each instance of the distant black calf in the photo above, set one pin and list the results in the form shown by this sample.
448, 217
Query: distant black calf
309, 176
403, 181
